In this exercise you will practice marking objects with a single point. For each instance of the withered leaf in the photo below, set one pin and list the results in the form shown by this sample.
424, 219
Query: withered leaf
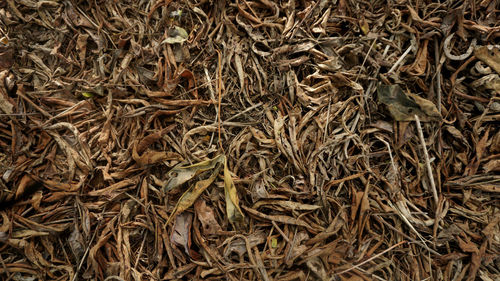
289, 205
176, 35
233, 210
238, 245
189, 197
181, 174
181, 234
207, 217
404, 107
490, 55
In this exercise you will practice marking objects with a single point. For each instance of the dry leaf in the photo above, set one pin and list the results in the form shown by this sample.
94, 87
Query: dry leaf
490, 55
189, 197
233, 210
419, 66
404, 107
176, 35
181, 233
181, 174
207, 217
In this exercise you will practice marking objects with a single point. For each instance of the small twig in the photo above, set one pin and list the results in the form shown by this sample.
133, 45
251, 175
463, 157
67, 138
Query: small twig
212, 96
421, 244
280, 231
438, 74
364, 60
427, 161
327, 119
219, 93
394, 169
399, 60
243, 112
370, 259
400, 205
41, 110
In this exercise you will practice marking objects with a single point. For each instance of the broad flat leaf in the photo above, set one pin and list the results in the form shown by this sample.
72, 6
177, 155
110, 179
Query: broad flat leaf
181, 174
404, 107
189, 197
232, 201
182, 229
238, 246
207, 218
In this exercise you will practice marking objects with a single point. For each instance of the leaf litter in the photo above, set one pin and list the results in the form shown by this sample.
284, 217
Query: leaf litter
256, 140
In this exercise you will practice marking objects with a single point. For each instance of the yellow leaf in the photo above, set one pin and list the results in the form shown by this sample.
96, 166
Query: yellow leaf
87, 95
189, 197
274, 242
181, 174
363, 25
232, 201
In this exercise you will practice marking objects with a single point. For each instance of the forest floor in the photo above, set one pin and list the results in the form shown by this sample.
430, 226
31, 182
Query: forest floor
256, 140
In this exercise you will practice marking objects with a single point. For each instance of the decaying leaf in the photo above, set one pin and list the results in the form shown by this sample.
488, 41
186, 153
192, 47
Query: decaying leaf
296, 248
176, 35
419, 66
233, 210
181, 234
239, 246
76, 243
207, 218
181, 174
404, 107
492, 166
490, 55
151, 157
189, 197
289, 205
6, 54
100, 99
6, 103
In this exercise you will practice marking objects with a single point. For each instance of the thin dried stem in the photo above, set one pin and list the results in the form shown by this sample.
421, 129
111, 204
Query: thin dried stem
427, 161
